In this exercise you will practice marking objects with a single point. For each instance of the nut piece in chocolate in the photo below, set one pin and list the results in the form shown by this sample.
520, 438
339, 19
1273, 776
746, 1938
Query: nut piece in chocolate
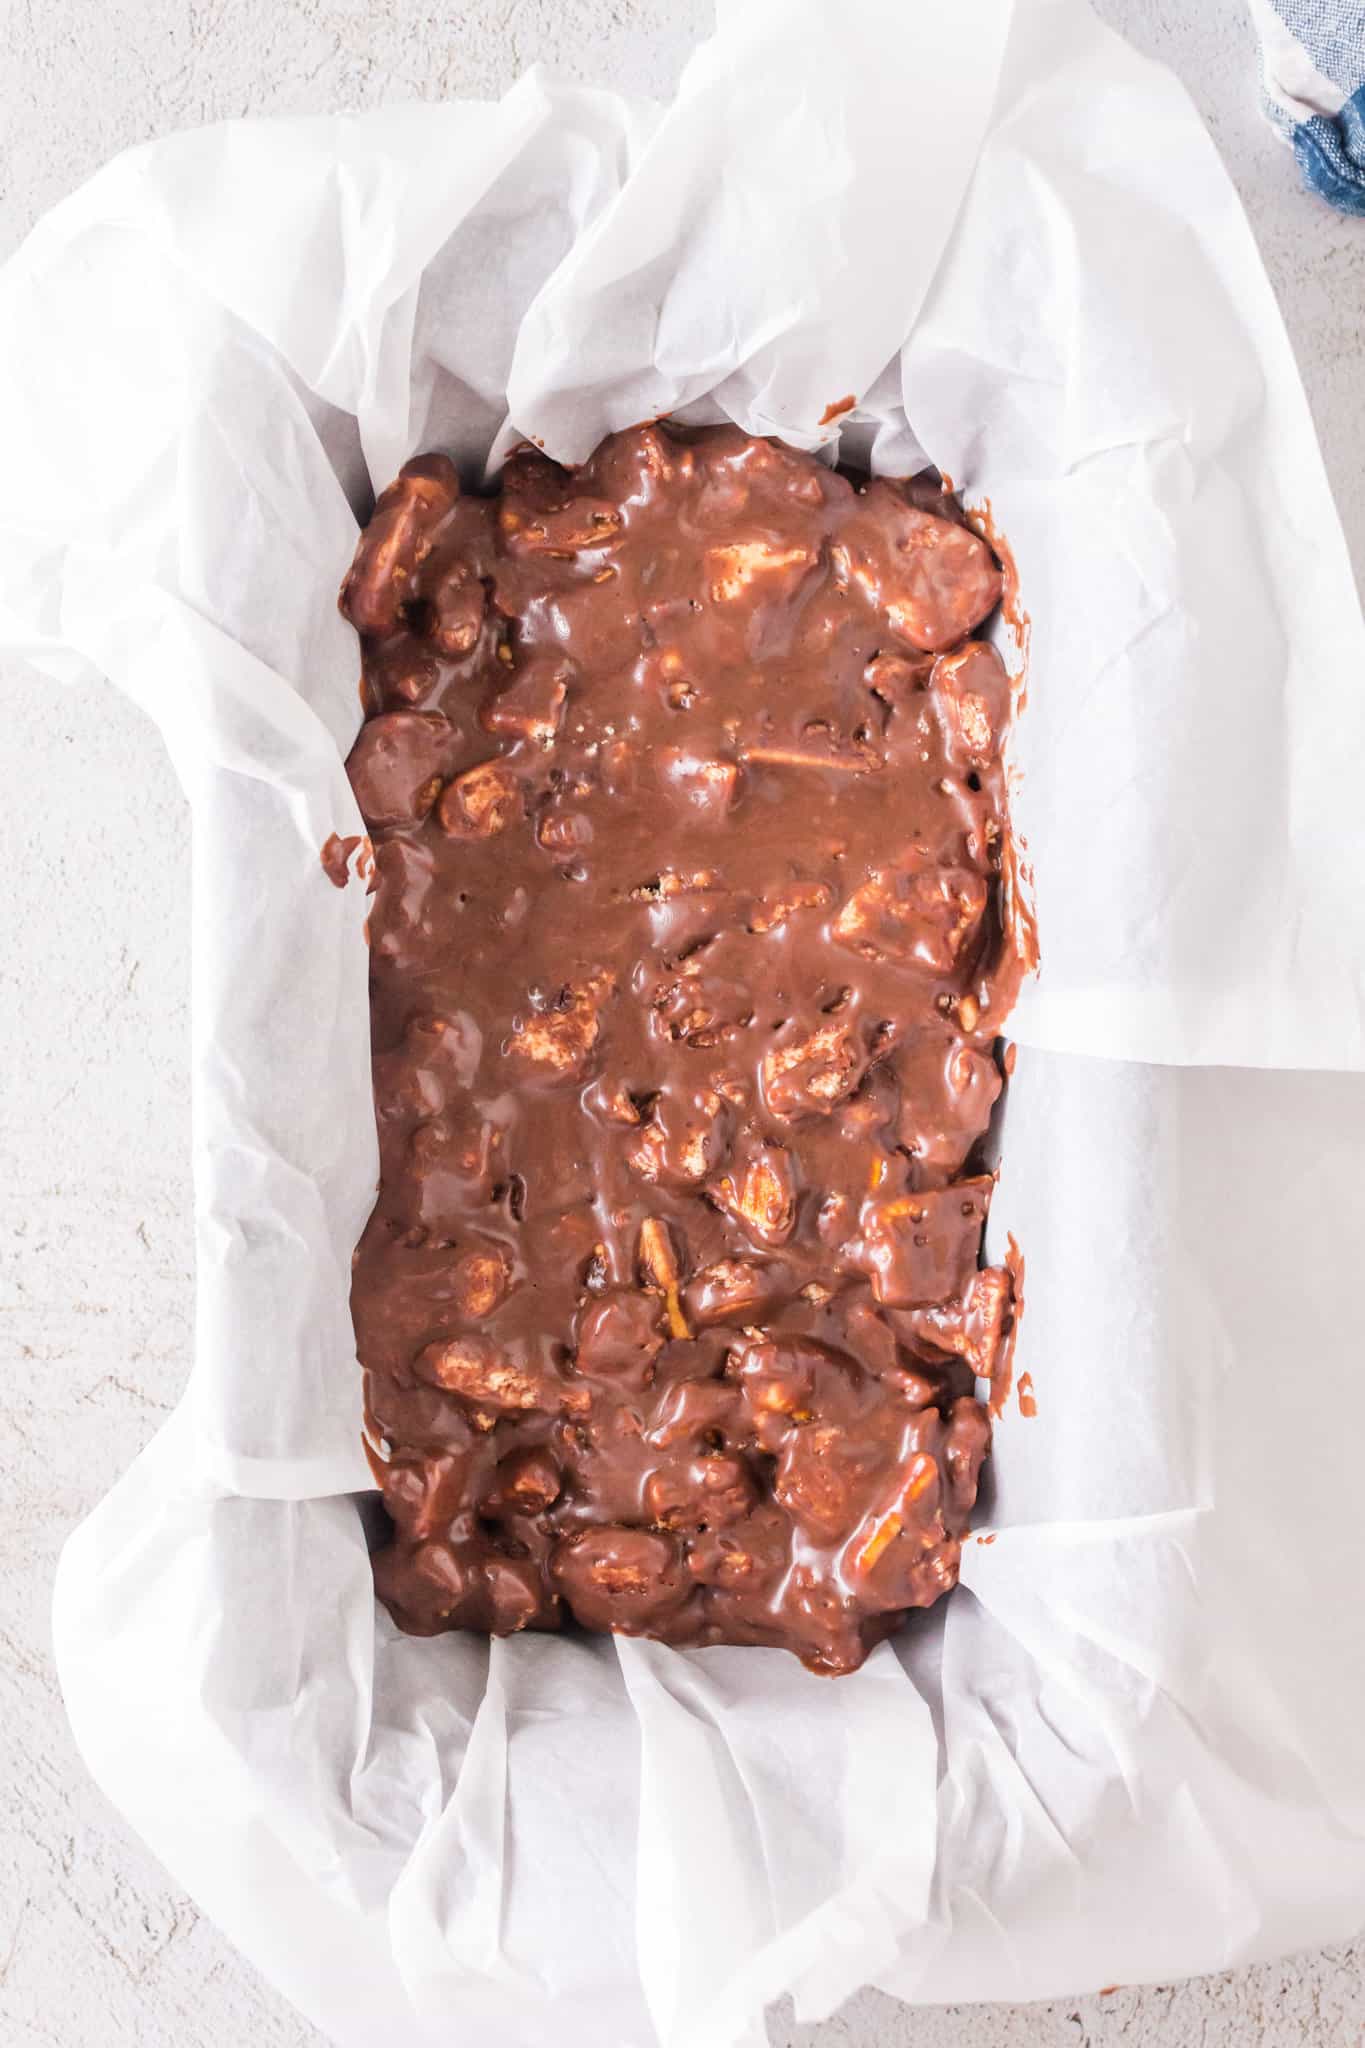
683, 772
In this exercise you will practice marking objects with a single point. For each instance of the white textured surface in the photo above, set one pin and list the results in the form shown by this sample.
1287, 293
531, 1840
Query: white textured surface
96, 1946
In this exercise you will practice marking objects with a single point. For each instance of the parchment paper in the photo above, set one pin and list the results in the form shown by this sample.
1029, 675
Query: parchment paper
1129, 1745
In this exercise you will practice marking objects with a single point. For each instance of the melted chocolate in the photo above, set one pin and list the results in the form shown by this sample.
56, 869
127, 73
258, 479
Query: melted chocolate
691, 942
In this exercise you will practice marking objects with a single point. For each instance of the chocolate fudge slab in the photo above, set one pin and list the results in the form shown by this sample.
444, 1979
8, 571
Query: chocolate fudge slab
689, 957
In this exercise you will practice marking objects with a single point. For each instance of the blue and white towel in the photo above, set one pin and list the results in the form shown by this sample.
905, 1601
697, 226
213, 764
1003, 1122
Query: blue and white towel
1313, 88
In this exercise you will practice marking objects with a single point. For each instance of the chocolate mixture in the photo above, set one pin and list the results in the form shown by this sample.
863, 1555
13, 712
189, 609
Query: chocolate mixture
691, 942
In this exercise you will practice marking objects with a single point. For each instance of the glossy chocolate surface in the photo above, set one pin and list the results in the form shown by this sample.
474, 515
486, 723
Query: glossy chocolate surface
691, 942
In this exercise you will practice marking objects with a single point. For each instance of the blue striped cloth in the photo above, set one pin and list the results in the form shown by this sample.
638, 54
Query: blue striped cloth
1313, 89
